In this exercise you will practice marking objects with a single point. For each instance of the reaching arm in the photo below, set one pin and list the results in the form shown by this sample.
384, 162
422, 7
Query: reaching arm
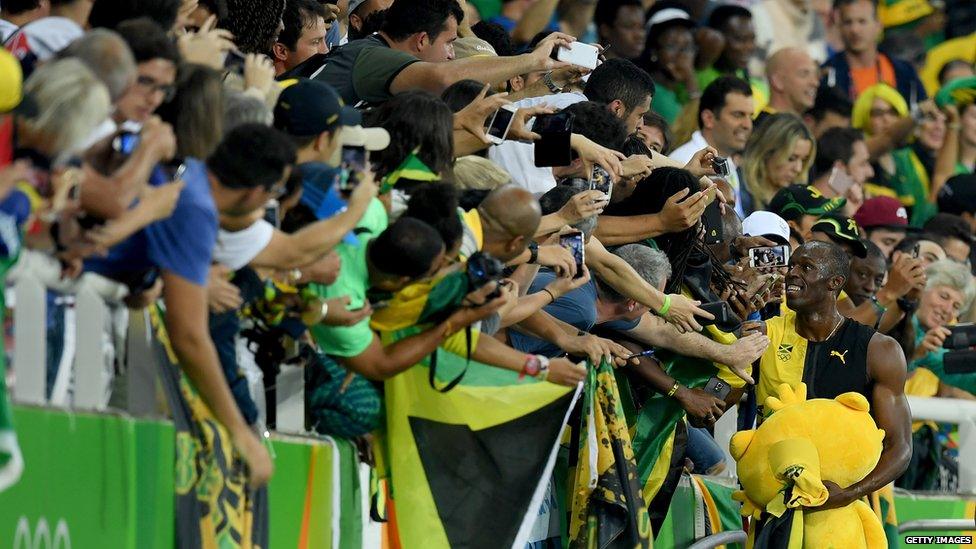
186, 321
886, 366
619, 230
311, 243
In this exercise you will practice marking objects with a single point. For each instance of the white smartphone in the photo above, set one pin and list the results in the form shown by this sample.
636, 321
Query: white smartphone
769, 256
840, 181
579, 54
500, 123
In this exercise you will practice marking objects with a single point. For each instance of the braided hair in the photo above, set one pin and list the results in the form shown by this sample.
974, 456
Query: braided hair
255, 23
692, 262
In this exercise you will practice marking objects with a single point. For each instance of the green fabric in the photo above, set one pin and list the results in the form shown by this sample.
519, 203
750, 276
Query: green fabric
9, 448
353, 281
668, 103
911, 188
337, 406
962, 169
728, 509
934, 362
487, 8
374, 71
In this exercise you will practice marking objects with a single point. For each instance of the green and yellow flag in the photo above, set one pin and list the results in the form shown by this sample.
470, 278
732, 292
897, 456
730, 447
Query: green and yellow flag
607, 509
412, 168
468, 467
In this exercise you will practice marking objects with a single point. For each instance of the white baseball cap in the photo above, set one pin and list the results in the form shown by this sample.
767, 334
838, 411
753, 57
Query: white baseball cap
767, 224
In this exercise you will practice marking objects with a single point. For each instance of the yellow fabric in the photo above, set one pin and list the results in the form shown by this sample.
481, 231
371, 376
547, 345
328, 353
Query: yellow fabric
847, 444
922, 382
11, 81
958, 48
784, 358
861, 115
903, 11
660, 471
472, 220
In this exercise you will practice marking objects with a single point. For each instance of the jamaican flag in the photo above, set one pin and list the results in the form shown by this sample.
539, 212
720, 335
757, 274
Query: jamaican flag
412, 168
468, 467
607, 508
214, 505
657, 428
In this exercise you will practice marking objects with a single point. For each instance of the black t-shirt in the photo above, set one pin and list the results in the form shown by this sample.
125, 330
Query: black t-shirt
361, 70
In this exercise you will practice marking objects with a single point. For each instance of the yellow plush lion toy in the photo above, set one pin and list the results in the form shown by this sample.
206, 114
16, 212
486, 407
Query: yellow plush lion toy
803, 443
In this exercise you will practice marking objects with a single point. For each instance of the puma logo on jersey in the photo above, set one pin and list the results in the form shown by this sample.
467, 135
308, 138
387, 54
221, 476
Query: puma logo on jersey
841, 356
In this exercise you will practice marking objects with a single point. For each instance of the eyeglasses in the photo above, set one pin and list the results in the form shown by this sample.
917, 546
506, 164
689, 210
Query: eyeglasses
150, 84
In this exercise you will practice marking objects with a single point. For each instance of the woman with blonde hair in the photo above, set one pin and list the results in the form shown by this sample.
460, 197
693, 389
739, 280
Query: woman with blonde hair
779, 153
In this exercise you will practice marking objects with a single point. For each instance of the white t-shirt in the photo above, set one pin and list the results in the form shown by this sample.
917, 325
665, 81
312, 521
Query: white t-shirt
45, 37
237, 249
518, 159
6, 29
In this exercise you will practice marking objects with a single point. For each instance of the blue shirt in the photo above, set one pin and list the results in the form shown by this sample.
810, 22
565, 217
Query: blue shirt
14, 211
577, 308
182, 244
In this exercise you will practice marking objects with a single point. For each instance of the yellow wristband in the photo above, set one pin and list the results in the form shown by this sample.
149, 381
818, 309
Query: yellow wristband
674, 389
666, 307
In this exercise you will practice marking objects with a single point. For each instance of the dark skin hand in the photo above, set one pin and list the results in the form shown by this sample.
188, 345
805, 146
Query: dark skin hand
889, 407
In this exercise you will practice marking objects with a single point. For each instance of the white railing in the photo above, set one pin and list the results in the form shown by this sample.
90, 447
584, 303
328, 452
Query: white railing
957, 412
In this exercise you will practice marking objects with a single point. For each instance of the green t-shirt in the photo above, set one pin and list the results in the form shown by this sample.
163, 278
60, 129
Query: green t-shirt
353, 281
363, 70
668, 103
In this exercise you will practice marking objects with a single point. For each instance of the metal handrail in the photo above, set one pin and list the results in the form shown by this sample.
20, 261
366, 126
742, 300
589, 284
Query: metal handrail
721, 538
937, 525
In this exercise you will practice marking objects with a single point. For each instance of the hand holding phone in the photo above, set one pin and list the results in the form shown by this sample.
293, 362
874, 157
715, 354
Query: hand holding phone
500, 123
769, 256
553, 148
573, 241
840, 181
579, 54
353, 163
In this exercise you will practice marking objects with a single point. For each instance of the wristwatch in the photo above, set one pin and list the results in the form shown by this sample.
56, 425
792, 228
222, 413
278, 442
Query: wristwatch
533, 253
536, 366
547, 80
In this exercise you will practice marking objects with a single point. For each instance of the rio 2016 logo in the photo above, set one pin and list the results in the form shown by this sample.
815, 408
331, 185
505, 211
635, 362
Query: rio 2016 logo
41, 537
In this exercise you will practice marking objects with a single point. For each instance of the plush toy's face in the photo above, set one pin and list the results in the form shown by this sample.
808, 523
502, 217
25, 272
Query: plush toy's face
845, 435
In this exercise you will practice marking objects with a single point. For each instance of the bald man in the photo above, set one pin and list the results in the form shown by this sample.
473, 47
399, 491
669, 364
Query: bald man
503, 224
793, 82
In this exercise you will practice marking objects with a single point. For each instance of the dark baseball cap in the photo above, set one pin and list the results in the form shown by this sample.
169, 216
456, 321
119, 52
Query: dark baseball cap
843, 231
958, 195
796, 200
307, 108
882, 212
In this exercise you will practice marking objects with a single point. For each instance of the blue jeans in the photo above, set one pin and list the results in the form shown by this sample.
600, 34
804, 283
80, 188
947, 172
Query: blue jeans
703, 450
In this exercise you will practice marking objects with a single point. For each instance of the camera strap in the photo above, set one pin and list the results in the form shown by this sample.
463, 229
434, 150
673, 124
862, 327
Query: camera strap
432, 371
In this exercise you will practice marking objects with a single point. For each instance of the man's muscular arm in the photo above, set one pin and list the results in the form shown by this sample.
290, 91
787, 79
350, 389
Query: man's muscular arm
886, 366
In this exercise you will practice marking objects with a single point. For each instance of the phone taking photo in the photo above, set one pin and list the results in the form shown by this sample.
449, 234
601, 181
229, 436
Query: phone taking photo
769, 256
500, 123
555, 130
840, 181
272, 213
600, 181
353, 163
579, 54
574, 242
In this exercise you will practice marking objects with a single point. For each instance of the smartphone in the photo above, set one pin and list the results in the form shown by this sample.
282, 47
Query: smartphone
125, 143
234, 61
600, 181
379, 305
712, 222
353, 163
720, 310
579, 54
553, 149
718, 388
272, 213
574, 242
500, 123
840, 181
721, 166
649, 352
769, 256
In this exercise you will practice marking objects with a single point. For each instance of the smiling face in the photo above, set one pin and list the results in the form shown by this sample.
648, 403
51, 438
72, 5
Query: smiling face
932, 132
730, 128
939, 306
808, 281
786, 169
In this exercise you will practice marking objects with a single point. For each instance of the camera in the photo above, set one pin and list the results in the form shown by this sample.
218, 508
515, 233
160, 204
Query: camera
961, 336
721, 166
483, 269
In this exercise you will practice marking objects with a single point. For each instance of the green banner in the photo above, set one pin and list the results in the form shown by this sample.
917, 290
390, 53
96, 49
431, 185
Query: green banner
89, 481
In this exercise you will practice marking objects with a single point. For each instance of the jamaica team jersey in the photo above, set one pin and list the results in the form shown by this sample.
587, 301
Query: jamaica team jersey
829, 368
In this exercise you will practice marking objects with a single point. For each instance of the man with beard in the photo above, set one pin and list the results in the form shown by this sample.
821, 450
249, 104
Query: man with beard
832, 355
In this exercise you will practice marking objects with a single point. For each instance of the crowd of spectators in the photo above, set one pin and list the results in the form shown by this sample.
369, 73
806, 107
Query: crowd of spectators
277, 175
